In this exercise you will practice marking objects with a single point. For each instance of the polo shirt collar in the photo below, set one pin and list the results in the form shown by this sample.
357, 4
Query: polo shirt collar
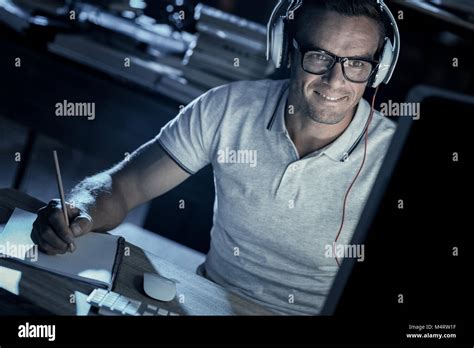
352, 136
344, 144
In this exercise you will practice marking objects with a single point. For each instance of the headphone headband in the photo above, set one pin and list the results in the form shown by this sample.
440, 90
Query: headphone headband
271, 22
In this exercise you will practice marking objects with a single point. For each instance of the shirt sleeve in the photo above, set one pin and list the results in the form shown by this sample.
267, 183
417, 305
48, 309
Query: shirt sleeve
190, 137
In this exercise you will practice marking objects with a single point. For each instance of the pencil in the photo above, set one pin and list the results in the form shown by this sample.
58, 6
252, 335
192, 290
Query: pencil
61, 194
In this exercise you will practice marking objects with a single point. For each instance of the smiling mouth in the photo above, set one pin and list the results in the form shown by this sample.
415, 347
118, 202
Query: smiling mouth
330, 98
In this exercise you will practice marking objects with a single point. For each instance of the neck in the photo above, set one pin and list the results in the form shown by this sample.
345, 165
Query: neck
309, 135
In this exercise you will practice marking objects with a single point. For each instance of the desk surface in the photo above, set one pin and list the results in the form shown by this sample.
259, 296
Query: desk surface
195, 294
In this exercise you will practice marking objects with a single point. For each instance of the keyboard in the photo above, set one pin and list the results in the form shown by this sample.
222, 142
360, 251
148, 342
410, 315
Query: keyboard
111, 303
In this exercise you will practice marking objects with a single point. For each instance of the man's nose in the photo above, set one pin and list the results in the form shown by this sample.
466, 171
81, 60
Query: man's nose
334, 77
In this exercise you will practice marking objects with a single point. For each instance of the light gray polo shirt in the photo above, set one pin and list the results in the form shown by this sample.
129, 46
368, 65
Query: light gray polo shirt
274, 213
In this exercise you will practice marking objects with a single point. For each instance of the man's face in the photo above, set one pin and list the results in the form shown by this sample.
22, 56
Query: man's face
345, 37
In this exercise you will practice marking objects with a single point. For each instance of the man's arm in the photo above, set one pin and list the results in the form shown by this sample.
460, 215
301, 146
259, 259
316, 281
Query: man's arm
101, 202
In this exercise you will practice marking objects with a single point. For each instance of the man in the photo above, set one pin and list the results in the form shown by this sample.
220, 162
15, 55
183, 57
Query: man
276, 149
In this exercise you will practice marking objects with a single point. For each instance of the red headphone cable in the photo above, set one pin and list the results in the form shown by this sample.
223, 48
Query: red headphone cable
357, 175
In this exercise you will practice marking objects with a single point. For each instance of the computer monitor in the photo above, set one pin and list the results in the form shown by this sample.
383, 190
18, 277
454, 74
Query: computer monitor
411, 226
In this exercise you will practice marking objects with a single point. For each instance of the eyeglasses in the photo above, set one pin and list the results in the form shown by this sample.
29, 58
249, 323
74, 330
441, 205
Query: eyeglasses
318, 62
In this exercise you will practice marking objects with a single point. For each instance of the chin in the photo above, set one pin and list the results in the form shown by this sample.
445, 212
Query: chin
326, 116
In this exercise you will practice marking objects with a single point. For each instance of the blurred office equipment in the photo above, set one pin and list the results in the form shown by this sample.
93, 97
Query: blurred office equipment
227, 48
425, 226
121, 41
457, 12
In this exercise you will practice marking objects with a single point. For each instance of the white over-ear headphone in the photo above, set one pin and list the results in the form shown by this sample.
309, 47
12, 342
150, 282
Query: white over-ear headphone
278, 40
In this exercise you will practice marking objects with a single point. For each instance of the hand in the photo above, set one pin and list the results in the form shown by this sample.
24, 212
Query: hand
52, 234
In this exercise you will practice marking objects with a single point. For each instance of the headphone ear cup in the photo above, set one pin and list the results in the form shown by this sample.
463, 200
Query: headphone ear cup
384, 66
278, 42
285, 47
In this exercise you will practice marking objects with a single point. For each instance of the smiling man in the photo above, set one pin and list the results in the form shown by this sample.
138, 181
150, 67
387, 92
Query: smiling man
325, 93
275, 217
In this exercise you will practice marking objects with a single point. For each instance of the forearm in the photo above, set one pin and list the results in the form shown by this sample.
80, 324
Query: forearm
108, 197
101, 197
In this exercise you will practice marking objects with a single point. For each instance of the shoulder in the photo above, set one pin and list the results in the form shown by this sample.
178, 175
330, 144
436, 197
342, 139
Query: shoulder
241, 101
381, 131
250, 90
381, 126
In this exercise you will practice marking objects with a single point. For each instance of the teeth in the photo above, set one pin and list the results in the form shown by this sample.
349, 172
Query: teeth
329, 98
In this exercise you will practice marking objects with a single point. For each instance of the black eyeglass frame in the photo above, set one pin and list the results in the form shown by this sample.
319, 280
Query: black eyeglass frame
336, 59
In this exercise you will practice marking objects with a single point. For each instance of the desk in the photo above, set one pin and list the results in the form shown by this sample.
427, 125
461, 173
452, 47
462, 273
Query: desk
195, 294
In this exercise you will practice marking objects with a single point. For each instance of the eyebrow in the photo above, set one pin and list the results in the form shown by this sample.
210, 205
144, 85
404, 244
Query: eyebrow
367, 56
316, 48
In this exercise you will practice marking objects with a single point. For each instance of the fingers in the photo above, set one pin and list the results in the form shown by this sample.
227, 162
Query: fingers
56, 246
55, 219
81, 224
51, 232
48, 249
50, 237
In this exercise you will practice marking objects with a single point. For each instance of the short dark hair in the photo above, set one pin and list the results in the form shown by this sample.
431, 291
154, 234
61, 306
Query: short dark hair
351, 8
